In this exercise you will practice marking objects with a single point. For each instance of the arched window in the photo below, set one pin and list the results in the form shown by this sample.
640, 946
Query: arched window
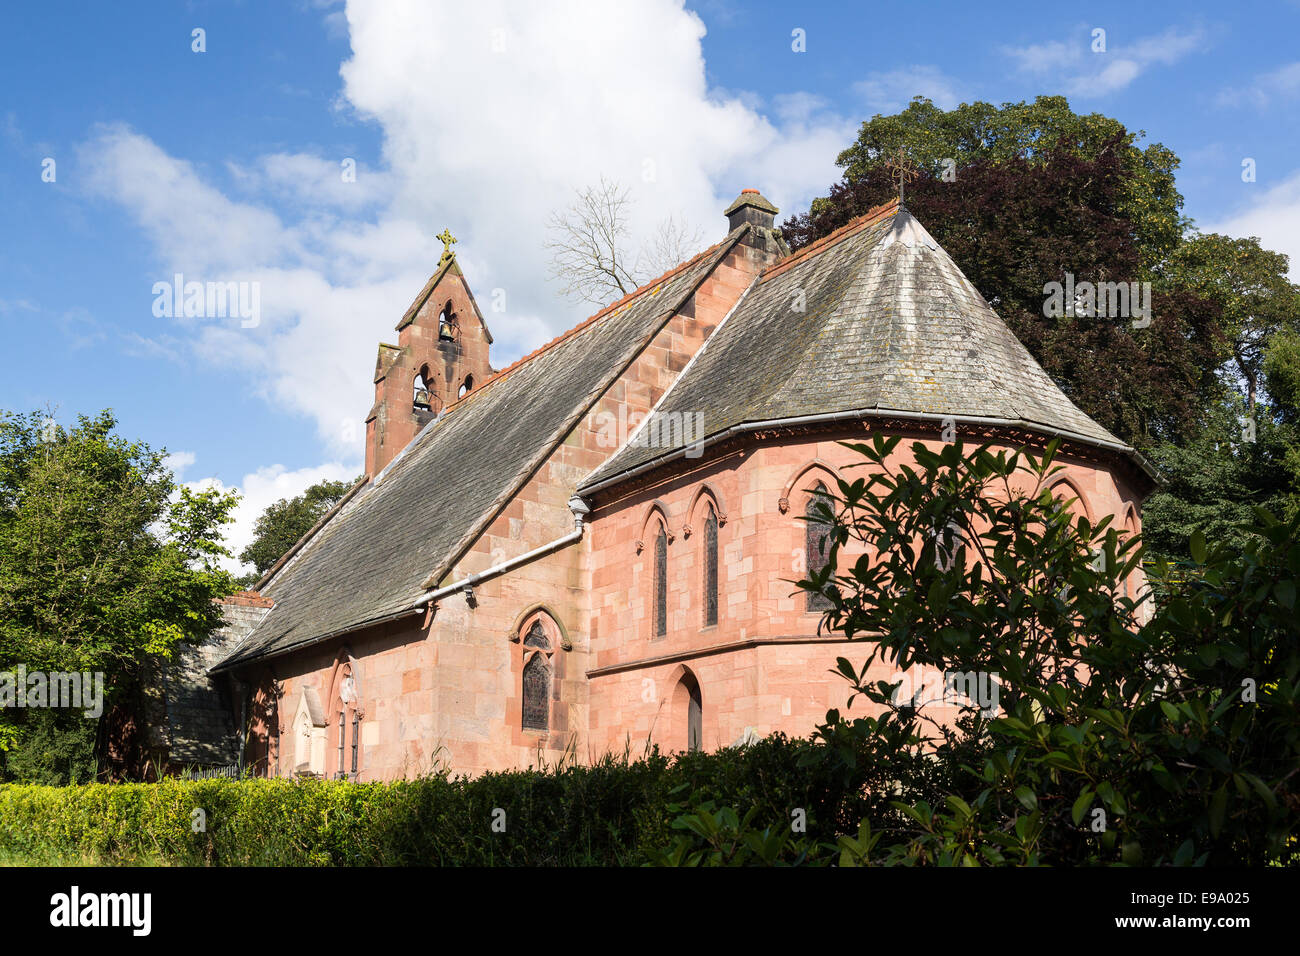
1071, 500
710, 566
345, 719
688, 713
1130, 530
948, 542
661, 583
447, 323
466, 386
537, 648
421, 398
816, 544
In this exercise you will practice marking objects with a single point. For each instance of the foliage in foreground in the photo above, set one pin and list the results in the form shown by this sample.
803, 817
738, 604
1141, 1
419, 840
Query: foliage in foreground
617, 812
1175, 741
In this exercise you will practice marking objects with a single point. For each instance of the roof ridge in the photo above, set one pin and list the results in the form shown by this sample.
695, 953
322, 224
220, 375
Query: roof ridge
852, 227
590, 320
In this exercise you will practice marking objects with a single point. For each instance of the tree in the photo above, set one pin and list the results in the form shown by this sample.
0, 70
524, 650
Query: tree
591, 246
1282, 375
1246, 451
281, 525
105, 566
1213, 481
974, 132
1249, 285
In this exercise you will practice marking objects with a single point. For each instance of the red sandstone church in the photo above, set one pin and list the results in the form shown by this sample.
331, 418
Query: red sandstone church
593, 548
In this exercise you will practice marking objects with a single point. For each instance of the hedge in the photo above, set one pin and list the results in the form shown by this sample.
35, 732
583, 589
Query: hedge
616, 812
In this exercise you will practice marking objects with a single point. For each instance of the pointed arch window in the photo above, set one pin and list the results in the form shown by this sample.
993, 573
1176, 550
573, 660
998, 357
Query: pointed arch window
538, 648
421, 400
687, 721
816, 544
710, 567
661, 583
447, 323
346, 714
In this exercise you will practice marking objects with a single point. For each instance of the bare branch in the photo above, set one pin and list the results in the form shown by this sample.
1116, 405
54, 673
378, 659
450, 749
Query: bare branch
590, 246
674, 242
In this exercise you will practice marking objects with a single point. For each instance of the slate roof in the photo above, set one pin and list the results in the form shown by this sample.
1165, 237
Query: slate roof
890, 323
413, 522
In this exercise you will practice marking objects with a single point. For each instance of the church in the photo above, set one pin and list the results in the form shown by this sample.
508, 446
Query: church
592, 549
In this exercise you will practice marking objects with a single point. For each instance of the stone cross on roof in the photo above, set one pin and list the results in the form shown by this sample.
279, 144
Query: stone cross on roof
447, 240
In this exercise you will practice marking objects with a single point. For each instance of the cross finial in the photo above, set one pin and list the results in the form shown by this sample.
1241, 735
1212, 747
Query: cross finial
447, 240
901, 170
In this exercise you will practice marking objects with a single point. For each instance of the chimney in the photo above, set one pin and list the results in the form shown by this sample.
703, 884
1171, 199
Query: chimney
751, 207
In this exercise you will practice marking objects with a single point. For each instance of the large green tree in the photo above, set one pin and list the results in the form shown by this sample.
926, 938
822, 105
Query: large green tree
1249, 286
106, 565
281, 525
1033, 132
1246, 452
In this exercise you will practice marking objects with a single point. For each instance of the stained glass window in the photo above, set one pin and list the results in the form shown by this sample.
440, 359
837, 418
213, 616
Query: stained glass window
711, 568
537, 693
661, 583
536, 637
816, 545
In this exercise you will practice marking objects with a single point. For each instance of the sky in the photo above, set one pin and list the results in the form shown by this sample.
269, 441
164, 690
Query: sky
309, 151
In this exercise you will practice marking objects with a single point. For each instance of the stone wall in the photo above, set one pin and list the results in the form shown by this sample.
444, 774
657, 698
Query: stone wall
763, 667
202, 712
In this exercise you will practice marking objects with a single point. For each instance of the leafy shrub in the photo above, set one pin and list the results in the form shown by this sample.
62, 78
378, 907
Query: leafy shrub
616, 812
1120, 739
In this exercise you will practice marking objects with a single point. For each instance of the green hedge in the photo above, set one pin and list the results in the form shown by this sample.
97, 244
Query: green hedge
616, 812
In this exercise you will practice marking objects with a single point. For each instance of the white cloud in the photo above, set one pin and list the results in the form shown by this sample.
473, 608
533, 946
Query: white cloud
178, 461
1083, 72
1274, 218
260, 489
313, 181
1275, 87
491, 115
891, 91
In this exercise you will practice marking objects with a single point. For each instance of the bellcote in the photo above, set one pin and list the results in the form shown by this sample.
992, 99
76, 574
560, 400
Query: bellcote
441, 355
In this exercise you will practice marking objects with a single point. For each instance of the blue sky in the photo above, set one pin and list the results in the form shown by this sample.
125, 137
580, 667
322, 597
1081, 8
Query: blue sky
225, 165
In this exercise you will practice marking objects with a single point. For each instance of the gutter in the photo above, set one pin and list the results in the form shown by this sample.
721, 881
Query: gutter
466, 584
829, 417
